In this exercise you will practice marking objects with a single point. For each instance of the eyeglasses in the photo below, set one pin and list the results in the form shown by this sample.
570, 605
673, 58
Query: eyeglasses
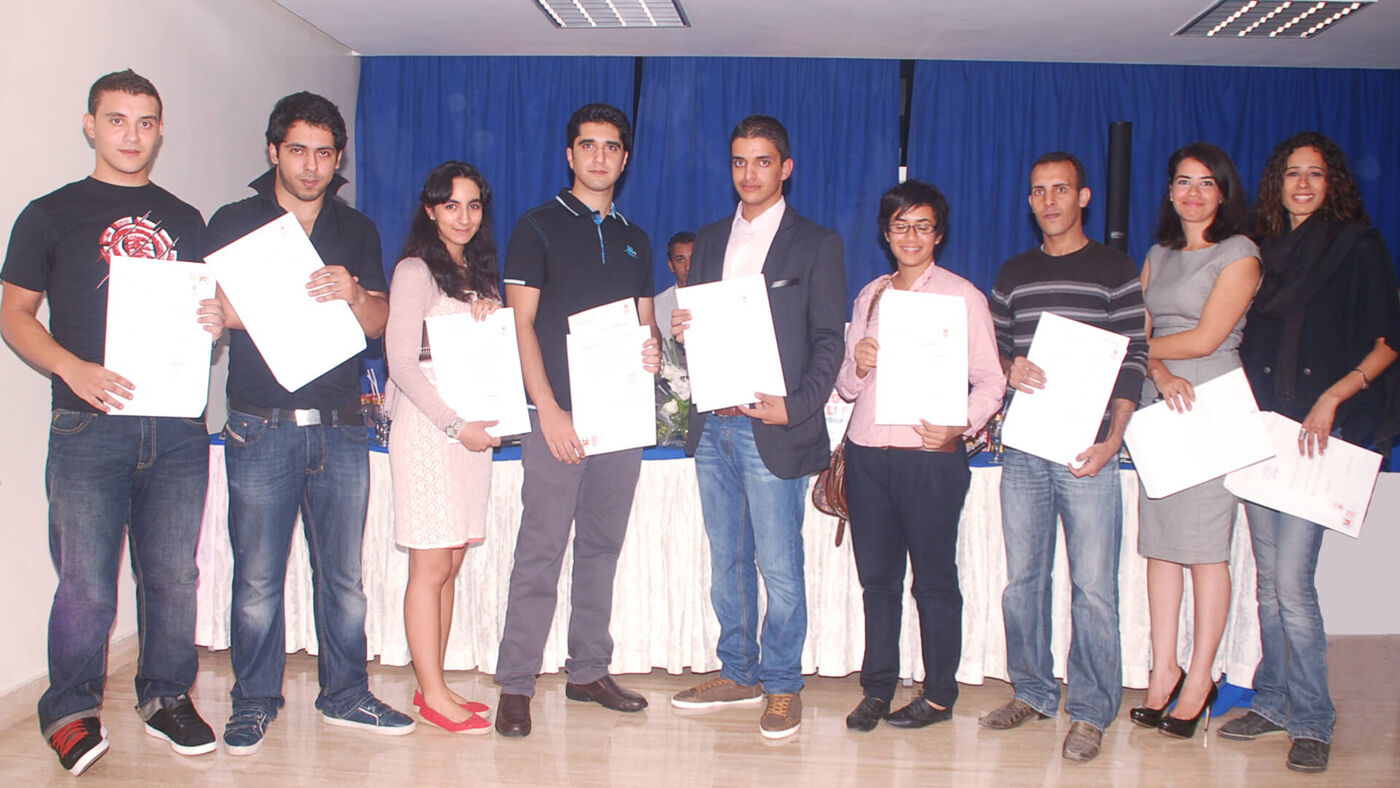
901, 228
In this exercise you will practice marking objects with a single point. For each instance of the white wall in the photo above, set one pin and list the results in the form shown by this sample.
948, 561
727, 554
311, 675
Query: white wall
219, 66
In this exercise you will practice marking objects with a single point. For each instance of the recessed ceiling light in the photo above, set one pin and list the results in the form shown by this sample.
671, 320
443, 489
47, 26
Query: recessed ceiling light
613, 13
1270, 18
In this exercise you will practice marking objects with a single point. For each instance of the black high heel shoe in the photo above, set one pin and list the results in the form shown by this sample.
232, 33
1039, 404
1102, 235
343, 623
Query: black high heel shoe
1148, 717
1185, 729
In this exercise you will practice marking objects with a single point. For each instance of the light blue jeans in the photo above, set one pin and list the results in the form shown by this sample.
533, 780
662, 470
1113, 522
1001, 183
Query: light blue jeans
1291, 682
275, 470
1034, 492
754, 523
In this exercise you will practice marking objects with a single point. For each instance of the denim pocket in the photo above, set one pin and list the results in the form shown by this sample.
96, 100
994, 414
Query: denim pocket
355, 434
70, 422
242, 430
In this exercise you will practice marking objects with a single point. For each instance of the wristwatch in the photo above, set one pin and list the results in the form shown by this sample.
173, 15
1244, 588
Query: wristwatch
454, 428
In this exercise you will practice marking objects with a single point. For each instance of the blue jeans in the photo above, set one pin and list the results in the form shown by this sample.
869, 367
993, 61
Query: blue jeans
1034, 492
109, 479
1291, 682
754, 523
276, 469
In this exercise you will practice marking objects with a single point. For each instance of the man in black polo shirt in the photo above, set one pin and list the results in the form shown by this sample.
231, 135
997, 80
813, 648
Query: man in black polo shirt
573, 253
305, 450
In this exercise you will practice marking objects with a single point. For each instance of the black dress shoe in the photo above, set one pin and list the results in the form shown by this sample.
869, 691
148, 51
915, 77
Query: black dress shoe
868, 714
513, 715
1186, 728
607, 693
917, 714
1148, 717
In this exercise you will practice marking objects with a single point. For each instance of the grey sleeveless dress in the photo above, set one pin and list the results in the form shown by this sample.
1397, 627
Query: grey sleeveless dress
1195, 525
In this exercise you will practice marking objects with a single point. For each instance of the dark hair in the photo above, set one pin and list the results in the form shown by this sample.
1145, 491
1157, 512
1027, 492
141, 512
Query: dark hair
1341, 203
766, 127
312, 110
479, 256
682, 237
127, 81
909, 195
1231, 218
600, 113
1057, 156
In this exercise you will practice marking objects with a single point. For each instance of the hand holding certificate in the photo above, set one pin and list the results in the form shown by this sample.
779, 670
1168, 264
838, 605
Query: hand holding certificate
1332, 489
613, 394
154, 338
477, 366
1081, 364
1221, 433
923, 359
731, 349
265, 275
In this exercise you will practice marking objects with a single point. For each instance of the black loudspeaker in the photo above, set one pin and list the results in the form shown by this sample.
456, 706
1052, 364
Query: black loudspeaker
1120, 166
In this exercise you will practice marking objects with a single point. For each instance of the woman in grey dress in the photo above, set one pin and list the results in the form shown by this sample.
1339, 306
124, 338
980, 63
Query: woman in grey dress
1198, 282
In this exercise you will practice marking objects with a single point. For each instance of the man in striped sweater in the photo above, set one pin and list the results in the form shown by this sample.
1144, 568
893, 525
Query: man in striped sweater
1076, 278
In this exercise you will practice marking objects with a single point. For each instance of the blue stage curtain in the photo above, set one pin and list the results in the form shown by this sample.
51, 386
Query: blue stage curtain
842, 117
976, 128
506, 115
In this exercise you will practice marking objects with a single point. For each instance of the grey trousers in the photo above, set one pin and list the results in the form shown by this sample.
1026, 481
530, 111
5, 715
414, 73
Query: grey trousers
595, 496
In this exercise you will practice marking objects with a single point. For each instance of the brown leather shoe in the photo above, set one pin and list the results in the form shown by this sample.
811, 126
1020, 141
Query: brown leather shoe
513, 715
605, 692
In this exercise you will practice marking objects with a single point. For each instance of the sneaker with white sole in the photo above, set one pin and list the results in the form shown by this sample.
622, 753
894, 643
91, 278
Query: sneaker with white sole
716, 692
243, 735
782, 717
175, 720
79, 744
375, 716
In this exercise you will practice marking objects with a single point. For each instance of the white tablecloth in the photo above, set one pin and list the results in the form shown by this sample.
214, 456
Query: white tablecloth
661, 610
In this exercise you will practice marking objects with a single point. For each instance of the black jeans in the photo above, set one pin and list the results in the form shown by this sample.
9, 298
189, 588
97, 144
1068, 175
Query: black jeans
905, 505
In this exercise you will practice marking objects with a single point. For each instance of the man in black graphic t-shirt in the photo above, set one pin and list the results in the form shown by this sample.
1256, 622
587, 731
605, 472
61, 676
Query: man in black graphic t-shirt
107, 474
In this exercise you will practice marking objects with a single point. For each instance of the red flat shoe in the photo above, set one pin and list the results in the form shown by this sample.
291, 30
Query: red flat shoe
471, 705
471, 726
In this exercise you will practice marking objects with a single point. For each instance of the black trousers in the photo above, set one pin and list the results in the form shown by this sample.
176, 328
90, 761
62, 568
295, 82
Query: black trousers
905, 505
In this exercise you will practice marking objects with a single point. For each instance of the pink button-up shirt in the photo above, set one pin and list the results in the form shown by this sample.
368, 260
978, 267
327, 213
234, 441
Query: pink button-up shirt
749, 242
983, 362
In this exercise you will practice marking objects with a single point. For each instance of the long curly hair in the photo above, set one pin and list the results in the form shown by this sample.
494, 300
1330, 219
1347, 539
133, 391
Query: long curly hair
1342, 203
479, 272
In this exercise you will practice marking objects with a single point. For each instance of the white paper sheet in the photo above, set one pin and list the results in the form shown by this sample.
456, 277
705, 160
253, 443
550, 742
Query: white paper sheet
477, 366
1222, 432
154, 338
264, 275
614, 398
1081, 364
730, 347
1332, 490
923, 359
617, 314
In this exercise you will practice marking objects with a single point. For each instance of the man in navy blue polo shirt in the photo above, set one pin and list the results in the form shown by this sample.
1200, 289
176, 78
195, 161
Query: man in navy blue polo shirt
302, 451
573, 253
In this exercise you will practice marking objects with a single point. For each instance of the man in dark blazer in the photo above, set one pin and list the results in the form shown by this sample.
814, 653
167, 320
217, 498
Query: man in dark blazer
753, 461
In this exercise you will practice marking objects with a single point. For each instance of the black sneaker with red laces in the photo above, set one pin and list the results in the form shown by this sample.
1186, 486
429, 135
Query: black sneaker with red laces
79, 744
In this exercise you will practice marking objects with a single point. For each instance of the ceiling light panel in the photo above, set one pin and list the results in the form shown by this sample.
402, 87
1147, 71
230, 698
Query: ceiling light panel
613, 13
1292, 19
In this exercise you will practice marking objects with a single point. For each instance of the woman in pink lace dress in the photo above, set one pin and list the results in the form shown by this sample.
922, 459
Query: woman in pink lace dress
441, 463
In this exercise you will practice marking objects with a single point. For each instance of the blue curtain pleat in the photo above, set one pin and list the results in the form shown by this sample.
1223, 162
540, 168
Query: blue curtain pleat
842, 117
976, 128
506, 115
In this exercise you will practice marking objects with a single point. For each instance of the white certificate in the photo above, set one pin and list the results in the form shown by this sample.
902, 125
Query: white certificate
477, 366
154, 338
1081, 364
617, 314
923, 359
614, 398
264, 275
730, 347
1221, 433
1332, 489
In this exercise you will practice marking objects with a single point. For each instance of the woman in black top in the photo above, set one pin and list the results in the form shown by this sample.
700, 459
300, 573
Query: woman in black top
1323, 329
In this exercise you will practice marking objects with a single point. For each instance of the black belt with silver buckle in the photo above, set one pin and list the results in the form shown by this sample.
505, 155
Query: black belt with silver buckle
351, 416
